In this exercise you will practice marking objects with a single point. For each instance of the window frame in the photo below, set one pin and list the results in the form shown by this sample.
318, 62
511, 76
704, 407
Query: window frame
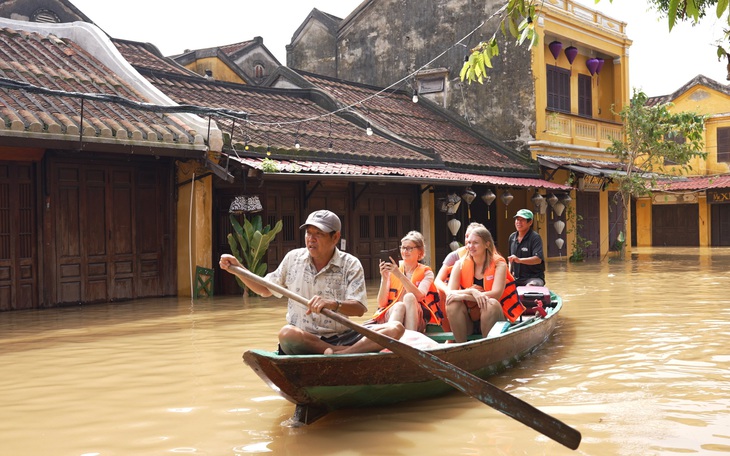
558, 88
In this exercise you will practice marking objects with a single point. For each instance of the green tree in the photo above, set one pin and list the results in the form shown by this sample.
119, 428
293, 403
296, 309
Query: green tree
653, 136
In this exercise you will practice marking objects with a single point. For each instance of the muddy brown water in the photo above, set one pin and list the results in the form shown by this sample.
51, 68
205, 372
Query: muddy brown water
638, 364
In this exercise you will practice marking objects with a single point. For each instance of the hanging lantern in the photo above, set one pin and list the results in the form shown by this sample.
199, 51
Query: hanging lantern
469, 195
537, 200
555, 47
559, 242
552, 199
442, 204
571, 52
559, 208
488, 197
566, 199
454, 225
600, 65
506, 199
454, 245
559, 226
452, 203
592, 65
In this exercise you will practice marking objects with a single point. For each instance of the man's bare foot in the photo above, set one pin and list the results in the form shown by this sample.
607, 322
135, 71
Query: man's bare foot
336, 350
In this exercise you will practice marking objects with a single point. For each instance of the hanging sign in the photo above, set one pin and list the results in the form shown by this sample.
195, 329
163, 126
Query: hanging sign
718, 196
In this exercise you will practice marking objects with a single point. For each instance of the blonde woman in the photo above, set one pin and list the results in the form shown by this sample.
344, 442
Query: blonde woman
407, 293
481, 289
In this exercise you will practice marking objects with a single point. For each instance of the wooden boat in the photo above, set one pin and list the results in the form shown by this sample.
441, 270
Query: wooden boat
318, 384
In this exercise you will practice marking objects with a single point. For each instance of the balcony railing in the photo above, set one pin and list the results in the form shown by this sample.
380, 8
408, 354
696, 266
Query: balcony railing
589, 14
571, 129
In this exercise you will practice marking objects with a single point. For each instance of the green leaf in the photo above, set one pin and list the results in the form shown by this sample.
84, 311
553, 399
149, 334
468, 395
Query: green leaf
513, 28
672, 14
464, 69
721, 7
691, 10
485, 58
721, 52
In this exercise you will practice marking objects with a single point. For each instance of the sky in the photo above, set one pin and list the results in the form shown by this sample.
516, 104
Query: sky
660, 62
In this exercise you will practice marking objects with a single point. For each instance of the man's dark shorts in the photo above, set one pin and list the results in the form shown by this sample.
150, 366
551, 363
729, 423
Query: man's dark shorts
347, 338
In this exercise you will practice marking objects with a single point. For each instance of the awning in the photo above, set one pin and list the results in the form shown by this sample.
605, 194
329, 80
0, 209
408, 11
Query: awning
594, 168
312, 170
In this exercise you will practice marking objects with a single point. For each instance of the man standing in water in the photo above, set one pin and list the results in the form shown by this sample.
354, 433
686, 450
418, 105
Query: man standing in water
333, 280
525, 252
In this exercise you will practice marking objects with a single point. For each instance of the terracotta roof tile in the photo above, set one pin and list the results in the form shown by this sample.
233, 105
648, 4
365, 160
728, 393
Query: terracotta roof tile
36, 69
144, 55
279, 117
396, 112
693, 183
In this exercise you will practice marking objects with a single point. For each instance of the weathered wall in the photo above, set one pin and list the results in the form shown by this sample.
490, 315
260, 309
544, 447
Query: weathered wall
392, 38
313, 50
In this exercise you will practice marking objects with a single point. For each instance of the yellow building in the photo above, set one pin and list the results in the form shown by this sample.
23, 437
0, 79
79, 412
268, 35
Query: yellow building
581, 76
692, 210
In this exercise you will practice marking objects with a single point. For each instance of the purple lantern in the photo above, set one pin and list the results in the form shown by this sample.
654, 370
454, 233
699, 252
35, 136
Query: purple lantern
555, 48
600, 65
571, 52
592, 65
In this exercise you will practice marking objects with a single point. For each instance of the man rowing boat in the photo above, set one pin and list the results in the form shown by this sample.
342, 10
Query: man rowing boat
333, 279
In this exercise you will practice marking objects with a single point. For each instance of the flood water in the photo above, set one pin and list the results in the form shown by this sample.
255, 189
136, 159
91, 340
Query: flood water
639, 364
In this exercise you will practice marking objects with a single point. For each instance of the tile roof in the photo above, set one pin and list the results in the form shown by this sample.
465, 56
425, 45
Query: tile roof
278, 118
334, 145
697, 80
693, 183
145, 55
421, 125
44, 76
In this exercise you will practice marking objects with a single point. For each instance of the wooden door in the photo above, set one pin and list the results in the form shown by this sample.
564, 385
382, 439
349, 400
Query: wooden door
588, 208
18, 237
382, 216
720, 225
675, 225
615, 220
112, 232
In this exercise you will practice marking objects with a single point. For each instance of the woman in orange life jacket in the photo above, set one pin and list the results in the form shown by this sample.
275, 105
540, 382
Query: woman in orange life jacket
406, 289
442, 277
477, 288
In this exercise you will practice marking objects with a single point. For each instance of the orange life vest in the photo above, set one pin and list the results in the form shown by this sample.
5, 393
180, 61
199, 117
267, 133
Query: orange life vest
431, 310
510, 301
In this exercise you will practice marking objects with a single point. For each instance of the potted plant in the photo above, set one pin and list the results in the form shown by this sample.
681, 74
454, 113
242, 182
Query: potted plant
249, 243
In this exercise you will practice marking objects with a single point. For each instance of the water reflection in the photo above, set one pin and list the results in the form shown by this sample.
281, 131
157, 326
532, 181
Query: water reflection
638, 364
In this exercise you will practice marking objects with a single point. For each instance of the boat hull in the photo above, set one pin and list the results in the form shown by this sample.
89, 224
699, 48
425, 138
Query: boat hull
322, 383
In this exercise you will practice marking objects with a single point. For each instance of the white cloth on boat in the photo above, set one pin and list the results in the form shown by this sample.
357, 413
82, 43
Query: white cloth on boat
343, 278
418, 340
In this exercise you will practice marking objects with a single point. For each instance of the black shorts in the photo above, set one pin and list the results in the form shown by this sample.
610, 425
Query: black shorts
347, 338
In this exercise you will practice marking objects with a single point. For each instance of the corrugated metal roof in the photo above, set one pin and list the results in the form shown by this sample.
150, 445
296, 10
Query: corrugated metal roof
304, 169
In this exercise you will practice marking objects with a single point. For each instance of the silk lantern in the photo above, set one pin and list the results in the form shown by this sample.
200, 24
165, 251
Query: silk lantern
571, 52
488, 197
555, 47
592, 65
506, 199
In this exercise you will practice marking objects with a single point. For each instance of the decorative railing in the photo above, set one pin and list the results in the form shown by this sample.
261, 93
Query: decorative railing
580, 131
597, 18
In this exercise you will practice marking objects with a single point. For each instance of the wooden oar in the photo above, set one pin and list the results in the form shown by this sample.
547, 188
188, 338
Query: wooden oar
458, 378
